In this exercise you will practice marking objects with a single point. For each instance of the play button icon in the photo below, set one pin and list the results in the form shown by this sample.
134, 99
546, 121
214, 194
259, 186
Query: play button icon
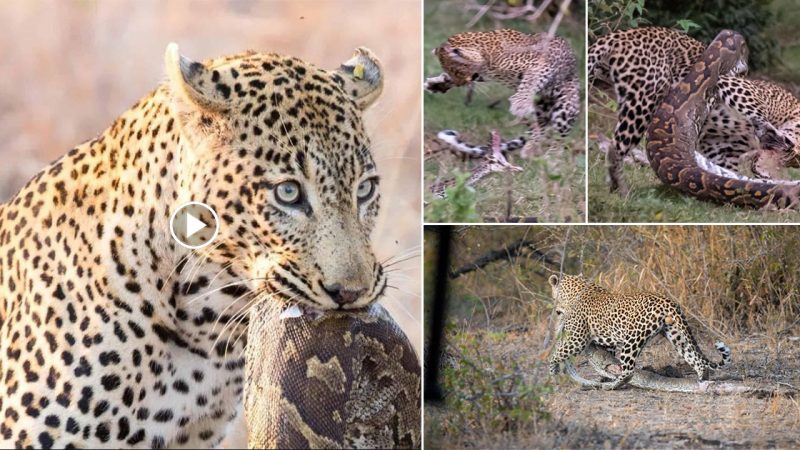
194, 225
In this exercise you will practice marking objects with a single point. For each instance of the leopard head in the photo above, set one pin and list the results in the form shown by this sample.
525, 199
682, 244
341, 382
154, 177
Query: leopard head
277, 147
463, 64
568, 292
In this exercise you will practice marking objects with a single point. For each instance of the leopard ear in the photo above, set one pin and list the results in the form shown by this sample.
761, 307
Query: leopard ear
553, 280
363, 77
193, 82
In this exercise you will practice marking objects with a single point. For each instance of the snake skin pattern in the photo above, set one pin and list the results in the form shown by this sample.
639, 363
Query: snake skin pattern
673, 135
340, 380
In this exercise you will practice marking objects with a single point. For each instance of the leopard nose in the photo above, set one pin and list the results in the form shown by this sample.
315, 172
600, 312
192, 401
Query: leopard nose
343, 296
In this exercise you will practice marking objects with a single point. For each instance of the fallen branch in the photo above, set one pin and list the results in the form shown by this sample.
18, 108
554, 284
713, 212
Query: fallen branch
519, 248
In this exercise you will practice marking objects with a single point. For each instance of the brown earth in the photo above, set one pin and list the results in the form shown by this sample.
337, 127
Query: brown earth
636, 418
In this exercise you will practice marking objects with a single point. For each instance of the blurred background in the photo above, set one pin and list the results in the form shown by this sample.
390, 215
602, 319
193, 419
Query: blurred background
737, 284
70, 67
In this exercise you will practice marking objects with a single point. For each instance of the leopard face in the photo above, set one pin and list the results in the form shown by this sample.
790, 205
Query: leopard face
502, 55
462, 64
282, 155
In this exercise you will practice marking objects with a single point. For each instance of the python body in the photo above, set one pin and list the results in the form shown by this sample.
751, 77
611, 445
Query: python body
673, 136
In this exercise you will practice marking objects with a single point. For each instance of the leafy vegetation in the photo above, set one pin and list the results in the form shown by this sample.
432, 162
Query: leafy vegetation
459, 206
488, 393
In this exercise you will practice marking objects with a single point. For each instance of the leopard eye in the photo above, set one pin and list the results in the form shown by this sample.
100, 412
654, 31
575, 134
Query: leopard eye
365, 190
288, 193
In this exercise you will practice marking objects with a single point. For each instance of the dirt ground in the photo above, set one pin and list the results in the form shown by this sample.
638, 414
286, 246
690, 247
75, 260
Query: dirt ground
636, 418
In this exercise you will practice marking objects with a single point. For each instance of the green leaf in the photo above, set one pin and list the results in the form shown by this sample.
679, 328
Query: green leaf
687, 25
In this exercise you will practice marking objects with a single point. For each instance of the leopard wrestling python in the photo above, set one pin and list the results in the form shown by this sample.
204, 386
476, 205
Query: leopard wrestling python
673, 136
336, 380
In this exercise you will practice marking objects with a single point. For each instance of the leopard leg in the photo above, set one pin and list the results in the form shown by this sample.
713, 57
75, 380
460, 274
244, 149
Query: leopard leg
572, 340
566, 107
533, 82
627, 359
636, 105
680, 336
630, 128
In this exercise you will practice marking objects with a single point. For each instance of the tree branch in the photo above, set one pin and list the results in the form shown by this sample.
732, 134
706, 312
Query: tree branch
519, 248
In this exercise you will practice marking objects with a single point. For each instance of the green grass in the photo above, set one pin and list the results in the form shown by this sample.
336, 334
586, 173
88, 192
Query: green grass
551, 186
650, 200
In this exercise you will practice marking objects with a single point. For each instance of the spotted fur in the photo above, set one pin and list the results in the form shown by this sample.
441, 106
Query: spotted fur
590, 314
541, 69
750, 114
113, 335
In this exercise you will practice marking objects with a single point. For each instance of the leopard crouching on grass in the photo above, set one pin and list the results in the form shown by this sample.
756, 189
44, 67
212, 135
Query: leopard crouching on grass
113, 335
541, 69
589, 314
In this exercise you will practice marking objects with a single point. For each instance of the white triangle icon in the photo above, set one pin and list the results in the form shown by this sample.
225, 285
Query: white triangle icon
193, 225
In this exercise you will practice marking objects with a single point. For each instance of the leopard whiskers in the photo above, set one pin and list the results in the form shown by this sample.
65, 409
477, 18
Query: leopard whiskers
402, 290
175, 266
230, 321
237, 282
204, 254
223, 268
399, 304
413, 250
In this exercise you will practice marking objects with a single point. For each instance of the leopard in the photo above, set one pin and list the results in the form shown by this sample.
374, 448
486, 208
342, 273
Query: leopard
114, 335
622, 322
540, 68
755, 121
640, 64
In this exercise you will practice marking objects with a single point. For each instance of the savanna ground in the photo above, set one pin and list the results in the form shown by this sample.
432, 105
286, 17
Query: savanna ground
775, 50
735, 284
551, 187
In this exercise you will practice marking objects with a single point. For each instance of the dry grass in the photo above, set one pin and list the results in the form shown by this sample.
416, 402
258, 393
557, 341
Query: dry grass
737, 284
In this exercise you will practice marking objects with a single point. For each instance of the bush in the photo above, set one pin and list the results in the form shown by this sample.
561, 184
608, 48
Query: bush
459, 206
489, 394
748, 17
702, 20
